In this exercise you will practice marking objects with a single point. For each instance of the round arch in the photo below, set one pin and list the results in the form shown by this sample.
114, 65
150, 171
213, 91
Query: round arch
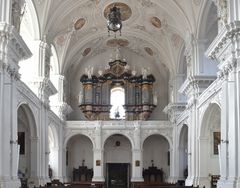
207, 30
28, 144
209, 140
79, 153
30, 117
159, 134
117, 133
114, 147
74, 134
183, 151
32, 18
157, 154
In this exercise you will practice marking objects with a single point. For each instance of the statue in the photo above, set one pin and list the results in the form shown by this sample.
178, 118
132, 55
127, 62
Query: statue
144, 73
222, 11
155, 99
89, 71
80, 97
17, 13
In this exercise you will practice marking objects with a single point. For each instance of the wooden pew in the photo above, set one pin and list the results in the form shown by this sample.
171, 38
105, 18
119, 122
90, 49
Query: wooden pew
158, 185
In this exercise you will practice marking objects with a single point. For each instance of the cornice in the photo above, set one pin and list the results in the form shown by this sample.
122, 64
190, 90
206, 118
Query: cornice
196, 82
15, 42
224, 37
174, 107
174, 110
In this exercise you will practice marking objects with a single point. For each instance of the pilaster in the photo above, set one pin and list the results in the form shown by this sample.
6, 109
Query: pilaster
192, 88
174, 110
137, 155
98, 161
58, 103
40, 82
12, 50
226, 50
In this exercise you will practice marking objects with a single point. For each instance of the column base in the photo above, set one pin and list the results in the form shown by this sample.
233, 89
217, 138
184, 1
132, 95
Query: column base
98, 179
137, 179
228, 183
172, 179
61, 179
37, 181
7, 182
189, 181
204, 181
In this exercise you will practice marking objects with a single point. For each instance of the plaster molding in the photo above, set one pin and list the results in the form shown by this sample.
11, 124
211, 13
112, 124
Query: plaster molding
12, 40
13, 50
225, 48
174, 110
196, 84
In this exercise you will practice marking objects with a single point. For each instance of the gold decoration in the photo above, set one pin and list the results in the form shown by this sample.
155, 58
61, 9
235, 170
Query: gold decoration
126, 11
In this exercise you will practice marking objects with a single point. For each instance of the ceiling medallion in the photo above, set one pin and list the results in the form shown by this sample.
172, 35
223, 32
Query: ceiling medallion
86, 52
126, 11
149, 51
79, 23
156, 22
117, 42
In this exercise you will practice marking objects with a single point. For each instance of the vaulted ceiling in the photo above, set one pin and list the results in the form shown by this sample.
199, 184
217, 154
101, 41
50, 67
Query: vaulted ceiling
154, 34
153, 29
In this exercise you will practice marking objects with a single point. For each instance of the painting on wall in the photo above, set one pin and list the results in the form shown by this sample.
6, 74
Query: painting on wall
21, 142
216, 142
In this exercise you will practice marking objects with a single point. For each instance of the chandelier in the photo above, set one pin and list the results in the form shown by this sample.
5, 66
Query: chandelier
114, 22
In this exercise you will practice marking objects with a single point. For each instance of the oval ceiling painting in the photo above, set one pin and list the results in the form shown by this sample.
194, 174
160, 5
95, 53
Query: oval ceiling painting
149, 51
117, 42
79, 23
125, 10
156, 22
86, 51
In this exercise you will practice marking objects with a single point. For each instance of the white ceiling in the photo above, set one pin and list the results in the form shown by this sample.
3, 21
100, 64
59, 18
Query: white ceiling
56, 19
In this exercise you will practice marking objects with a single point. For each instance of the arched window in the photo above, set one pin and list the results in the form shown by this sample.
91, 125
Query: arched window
117, 101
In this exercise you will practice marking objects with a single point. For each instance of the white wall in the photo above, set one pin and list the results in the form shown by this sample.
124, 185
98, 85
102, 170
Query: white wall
156, 148
117, 154
79, 148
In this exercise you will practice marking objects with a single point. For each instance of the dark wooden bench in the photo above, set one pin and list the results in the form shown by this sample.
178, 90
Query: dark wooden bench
158, 185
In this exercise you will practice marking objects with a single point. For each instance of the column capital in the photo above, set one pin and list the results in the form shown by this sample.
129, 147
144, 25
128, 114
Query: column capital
12, 50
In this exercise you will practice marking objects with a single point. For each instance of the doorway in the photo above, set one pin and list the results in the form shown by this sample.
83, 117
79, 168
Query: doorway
118, 175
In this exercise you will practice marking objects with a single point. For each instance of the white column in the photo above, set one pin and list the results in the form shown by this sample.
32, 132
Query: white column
57, 101
35, 162
12, 50
137, 166
193, 150
98, 155
137, 161
5, 11
64, 166
60, 154
98, 166
174, 158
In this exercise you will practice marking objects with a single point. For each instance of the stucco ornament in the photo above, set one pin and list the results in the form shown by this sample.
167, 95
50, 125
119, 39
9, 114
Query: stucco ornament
222, 11
18, 10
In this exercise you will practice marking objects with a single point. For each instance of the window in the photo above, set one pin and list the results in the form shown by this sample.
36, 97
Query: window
117, 101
